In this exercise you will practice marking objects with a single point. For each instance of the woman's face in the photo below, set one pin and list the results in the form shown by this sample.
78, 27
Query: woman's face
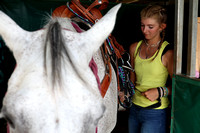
150, 28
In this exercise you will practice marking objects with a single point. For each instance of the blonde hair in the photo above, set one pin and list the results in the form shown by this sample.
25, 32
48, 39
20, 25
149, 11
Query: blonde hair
155, 11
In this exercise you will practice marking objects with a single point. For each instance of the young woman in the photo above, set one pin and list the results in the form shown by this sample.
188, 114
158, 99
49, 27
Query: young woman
152, 60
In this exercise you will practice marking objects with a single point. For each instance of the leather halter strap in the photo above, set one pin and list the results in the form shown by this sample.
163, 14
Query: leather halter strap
91, 13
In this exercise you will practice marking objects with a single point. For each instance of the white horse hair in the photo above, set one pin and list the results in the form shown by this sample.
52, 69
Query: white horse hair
52, 89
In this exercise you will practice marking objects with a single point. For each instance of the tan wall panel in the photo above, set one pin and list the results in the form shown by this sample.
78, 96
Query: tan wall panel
198, 48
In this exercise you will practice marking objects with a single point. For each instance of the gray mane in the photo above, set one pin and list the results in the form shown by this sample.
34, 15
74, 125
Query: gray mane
58, 51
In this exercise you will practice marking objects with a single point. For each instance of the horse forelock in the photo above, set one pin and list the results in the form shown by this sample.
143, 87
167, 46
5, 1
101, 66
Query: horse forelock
58, 52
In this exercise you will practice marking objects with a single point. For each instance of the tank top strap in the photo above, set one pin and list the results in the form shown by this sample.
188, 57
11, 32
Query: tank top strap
137, 47
165, 43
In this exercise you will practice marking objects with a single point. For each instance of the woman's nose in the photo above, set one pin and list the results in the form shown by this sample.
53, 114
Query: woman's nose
144, 29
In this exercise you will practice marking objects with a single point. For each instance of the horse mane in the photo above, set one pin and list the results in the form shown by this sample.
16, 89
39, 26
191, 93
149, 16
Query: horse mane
58, 51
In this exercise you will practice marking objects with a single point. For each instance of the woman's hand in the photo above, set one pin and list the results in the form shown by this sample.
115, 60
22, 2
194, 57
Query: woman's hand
151, 94
121, 96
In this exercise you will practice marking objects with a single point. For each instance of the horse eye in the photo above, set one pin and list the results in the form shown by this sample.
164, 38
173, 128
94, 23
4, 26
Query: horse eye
10, 122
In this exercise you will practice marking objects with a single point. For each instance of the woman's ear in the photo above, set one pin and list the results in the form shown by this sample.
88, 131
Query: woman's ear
163, 26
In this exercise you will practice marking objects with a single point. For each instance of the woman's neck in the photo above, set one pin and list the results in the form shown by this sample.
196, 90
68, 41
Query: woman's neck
152, 43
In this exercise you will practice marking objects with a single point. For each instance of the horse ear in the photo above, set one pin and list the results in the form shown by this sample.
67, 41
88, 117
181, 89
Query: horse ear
95, 36
12, 34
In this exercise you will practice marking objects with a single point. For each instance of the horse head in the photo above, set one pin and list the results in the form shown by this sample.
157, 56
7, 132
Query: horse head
52, 89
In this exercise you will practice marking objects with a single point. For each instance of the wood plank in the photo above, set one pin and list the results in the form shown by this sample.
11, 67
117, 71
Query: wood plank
192, 38
198, 49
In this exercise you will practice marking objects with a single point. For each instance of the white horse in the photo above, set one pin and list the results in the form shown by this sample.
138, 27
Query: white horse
53, 89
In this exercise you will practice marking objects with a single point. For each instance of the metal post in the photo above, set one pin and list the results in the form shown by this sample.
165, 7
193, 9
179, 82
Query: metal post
178, 45
178, 39
192, 37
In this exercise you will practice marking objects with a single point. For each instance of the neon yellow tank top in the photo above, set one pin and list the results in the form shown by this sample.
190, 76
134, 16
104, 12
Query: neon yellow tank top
150, 74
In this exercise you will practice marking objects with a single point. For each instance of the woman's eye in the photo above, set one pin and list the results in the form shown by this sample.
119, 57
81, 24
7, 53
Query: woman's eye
150, 27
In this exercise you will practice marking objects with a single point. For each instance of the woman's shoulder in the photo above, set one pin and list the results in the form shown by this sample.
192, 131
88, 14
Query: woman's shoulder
133, 46
168, 49
168, 56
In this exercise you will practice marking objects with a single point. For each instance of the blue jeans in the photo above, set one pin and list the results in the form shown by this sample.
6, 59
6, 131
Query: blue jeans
143, 120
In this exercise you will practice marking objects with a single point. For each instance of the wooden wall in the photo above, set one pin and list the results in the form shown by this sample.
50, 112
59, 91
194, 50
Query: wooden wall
198, 50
